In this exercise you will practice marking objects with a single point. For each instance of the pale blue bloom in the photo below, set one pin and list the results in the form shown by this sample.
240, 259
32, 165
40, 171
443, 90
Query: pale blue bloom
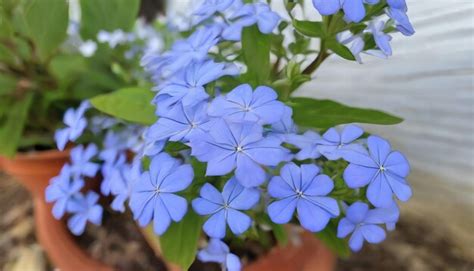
151, 147
107, 170
383, 170
250, 14
83, 209
243, 104
241, 146
382, 40
218, 252
153, 195
183, 52
187, 86
76, 124
334, 143
364, 224
123, 179
305, 190
117, 37
307, 143
225, 208
61, 189
81, 164
398, 4
210, 7
181, 123
285, 128
354, 10
402, 22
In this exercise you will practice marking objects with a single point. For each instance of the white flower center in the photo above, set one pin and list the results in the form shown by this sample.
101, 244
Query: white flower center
239, 149
382, 168
299, 193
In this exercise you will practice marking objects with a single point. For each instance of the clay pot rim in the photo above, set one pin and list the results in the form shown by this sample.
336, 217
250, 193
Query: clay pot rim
39, 155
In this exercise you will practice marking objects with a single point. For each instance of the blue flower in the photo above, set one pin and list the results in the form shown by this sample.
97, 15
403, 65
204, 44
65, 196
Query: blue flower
210, 7
353, 9
363, 223
81, 164
382, 40
113, 145
305, 190
243, 104
107, 170
224, 208
335, 144
181, 123
61, 189
397, 4
151, 147
84, 208
218, 252
250, 14
307, 143
241, 146
76, 123
382, 169
285, 128
187, 87
123, 180
153, 194
402, 22
182, 53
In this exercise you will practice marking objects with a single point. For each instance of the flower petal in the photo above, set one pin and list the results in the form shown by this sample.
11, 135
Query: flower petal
357, 176
312, 217
238, 221
215, 225
281, 211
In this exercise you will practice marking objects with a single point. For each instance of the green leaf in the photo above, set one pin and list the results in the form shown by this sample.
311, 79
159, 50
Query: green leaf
107, 15
67, 68
130, 104
12, 125
46, 22
280, 233
180, 242
309, 28
339, 49
7, 84
323, 114
329, 237
256, 50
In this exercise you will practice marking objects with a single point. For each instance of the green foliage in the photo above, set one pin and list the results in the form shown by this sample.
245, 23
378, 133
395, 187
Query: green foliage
256, 50
46, 22
7, 84
180, 242
12, 123
329, 237
339, 49
107, 15
130, 104
323, 114
310, 29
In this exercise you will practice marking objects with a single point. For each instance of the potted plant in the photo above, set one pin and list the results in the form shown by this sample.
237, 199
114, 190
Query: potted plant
221, 154
49, 65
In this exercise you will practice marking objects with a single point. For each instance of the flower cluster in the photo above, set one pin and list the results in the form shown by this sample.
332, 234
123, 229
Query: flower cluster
228, 149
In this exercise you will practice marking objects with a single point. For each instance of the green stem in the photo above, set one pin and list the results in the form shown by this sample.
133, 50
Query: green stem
323, 54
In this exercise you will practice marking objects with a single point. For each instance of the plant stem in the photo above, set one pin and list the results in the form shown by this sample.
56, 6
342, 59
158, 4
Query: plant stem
323, 54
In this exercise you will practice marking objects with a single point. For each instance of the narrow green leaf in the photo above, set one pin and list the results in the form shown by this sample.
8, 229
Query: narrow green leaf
339, 49
180, 242
46, 22
256, 50
280, 234
7, 84
309, 28
329, 237
130, 104
11, 128
107, 15
323, 114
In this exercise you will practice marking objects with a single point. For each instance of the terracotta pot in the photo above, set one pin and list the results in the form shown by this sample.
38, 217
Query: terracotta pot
34, 170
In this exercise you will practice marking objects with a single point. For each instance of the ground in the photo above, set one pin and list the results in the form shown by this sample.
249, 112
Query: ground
421, 242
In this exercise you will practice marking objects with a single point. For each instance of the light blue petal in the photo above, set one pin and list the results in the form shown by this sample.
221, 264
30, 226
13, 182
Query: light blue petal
238, 221
357, 176
320, 185
249, 173
177, 206
344, 228
354, 10
357, 212
281, 211
327, 7
399, 186
356, 241
161, 217
379, 148
178, 180
278, 188
312, 217
233, 262
379, 192
372, 233
95, 214
216, 224
397, 163
77, 224
350, 133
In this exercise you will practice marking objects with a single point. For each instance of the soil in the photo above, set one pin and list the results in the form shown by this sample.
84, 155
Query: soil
417, 244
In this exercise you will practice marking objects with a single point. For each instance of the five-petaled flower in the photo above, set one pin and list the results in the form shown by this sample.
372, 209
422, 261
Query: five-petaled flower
224, 208
304, 189
76, 124
153, 194
61, 190
334, 144
241, 146
81, 164
364, 224
84, 208
218, 252
243, 104
382, 169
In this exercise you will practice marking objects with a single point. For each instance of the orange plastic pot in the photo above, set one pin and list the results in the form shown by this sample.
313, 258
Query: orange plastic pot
33, 171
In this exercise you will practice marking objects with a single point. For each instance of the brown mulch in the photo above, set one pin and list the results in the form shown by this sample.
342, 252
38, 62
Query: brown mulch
416, 244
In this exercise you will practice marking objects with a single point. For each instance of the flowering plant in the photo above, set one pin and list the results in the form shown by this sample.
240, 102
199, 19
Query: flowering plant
228, 149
